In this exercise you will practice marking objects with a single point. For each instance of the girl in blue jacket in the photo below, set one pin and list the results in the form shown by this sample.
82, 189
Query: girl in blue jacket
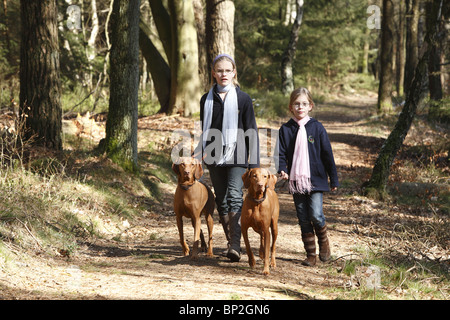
305, 158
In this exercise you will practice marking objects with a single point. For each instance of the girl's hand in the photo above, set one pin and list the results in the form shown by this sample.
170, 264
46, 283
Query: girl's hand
334, 189
283, 176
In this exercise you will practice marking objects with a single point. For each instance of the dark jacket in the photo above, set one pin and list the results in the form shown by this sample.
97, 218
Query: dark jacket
321, 160
247, 151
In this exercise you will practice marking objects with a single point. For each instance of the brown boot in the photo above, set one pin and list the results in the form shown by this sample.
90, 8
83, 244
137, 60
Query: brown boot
324, 245
309, 241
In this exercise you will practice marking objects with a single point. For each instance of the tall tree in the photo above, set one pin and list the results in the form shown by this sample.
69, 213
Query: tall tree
386, 73
376, 186
400, 58
157, 65
40, 87
412, 46
434, 62
186, 89
121, 125
219, 29
287, 74
201, 39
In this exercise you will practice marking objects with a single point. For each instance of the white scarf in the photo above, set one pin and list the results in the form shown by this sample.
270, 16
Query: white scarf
229, 123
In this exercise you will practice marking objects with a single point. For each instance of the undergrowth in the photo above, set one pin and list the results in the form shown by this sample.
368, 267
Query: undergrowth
52, 202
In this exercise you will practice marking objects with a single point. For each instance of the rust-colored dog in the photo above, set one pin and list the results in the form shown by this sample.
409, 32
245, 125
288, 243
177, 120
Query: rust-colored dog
192, 198
260, 211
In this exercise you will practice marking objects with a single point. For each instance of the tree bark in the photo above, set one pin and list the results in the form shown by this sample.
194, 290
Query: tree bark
376, 186
400, 64
412, 45
201, 40
163, 25
386, 73
121, 125
434, 62
40, 87
219, 29
185, 91
287, 75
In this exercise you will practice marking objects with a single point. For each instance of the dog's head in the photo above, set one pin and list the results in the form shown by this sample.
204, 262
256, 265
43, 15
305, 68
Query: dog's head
258, 179
188, 170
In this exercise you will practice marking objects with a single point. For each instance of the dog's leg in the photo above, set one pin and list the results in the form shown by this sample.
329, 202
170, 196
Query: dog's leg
251, 258
202, 237
266, 234
196, 222
202, 241
261, 245
274, 227
210, 224
180, 232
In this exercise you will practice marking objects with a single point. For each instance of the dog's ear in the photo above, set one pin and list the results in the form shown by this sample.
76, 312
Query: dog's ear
271, 181
246, 179
175, 168
198, 170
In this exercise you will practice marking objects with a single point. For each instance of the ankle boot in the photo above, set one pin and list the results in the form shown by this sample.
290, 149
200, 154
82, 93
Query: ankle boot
225, 221
324, 244
234, 253
309, 241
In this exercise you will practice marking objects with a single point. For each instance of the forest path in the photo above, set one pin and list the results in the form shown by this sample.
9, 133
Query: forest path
148, 263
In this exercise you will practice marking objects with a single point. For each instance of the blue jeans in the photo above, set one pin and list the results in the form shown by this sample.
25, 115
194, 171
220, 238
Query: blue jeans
227, 182
309, 211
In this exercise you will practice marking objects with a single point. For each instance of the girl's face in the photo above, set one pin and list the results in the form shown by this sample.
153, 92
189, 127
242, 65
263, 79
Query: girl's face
223, 72
301, 107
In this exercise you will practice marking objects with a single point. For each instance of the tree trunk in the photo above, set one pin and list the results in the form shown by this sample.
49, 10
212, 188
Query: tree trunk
287, 76
121, 125
434, 67
386, 72
400, 64
162, 22
201, 40
91, 52
185, 91
158, 67
219, 29
376, 186
366, 48
412, 45
40, 87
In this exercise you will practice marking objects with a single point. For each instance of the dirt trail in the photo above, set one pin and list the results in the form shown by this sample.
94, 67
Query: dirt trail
154, 268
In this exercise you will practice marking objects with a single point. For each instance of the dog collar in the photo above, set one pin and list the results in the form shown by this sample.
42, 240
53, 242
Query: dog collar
186, 187
258, 201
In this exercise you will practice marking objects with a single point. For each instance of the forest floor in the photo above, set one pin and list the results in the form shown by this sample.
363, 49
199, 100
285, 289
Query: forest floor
147, 261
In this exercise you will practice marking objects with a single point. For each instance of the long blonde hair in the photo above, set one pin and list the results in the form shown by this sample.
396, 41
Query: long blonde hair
222, 57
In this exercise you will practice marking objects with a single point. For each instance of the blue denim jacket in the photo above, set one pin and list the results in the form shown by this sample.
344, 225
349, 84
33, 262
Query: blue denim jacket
321, 158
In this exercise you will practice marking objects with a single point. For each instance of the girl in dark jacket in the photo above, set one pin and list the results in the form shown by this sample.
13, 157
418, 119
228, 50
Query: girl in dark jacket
230, 145
306, 159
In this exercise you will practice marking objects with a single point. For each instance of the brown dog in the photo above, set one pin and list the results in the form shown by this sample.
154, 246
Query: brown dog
260, 211
192, 198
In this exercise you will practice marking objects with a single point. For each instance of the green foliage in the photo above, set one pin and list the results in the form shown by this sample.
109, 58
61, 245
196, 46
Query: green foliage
330, 45
440, 110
